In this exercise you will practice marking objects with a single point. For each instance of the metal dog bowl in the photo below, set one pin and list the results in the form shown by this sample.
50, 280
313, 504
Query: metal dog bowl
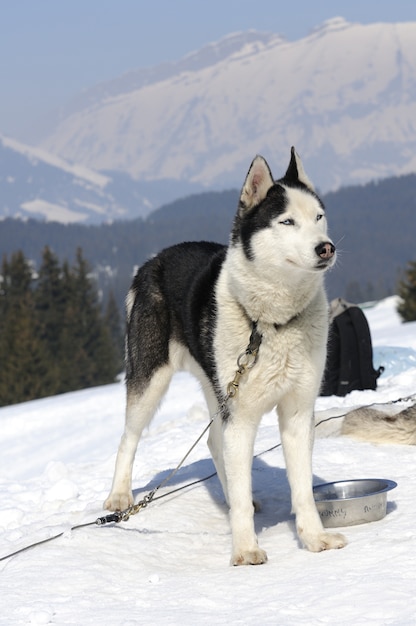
350, 502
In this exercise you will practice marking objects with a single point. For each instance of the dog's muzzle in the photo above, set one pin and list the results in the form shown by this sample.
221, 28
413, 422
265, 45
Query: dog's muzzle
326, 252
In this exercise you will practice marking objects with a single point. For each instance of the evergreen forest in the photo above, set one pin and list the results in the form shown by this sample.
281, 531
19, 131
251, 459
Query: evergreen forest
54, 335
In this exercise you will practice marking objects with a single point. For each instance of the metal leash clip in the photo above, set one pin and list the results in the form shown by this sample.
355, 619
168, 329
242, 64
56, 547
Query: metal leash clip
245, 361
123, 516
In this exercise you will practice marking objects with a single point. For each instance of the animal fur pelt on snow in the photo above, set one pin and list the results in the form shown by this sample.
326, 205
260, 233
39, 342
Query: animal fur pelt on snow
381, 425
367, 424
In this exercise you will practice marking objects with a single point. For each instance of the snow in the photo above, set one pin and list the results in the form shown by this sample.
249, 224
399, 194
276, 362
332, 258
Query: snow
343, 95
53, 212
169, 563
79, 171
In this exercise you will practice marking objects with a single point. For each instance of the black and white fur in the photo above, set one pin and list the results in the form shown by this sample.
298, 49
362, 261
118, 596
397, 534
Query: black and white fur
192, 308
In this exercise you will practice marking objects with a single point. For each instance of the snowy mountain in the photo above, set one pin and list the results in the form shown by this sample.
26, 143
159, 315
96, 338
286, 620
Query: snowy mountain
193, 62
169, 563
34, 183
345, 96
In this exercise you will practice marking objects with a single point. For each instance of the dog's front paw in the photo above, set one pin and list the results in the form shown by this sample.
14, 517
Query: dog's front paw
325, 541
118, 501
249, 557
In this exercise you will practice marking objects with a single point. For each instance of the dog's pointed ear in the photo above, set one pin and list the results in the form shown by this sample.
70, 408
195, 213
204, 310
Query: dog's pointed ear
295, 172
258, 182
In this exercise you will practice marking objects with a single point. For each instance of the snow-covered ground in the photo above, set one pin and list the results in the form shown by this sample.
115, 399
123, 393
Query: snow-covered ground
169, 563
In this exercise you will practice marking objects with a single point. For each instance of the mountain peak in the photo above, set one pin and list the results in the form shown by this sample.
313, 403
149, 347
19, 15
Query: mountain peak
343, 95
209, 55
332, 24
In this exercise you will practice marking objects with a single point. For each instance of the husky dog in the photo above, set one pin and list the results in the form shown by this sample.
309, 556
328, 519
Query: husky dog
194, 306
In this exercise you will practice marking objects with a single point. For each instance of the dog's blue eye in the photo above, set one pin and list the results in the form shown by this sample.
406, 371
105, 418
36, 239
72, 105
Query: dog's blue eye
288, 222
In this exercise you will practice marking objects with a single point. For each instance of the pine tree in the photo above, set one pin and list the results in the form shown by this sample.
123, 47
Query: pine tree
16, 277
72, 361
26, 373
87, 337
24, 367
407, 292
51, 300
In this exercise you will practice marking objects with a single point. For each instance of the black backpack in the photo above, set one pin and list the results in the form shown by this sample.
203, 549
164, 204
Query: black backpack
349, 362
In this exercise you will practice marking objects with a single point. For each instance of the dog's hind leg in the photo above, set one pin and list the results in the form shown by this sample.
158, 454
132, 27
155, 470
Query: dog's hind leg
296, 430
149, 371
140, 408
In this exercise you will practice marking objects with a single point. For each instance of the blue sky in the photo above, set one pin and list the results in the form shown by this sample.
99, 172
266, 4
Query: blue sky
52, 49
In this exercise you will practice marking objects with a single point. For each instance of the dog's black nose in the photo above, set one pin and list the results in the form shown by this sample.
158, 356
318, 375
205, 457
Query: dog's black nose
325, 250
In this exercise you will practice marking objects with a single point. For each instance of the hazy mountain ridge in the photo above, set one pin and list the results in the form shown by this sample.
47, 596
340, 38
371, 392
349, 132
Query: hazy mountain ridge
372, 226
345, 95
34, 183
